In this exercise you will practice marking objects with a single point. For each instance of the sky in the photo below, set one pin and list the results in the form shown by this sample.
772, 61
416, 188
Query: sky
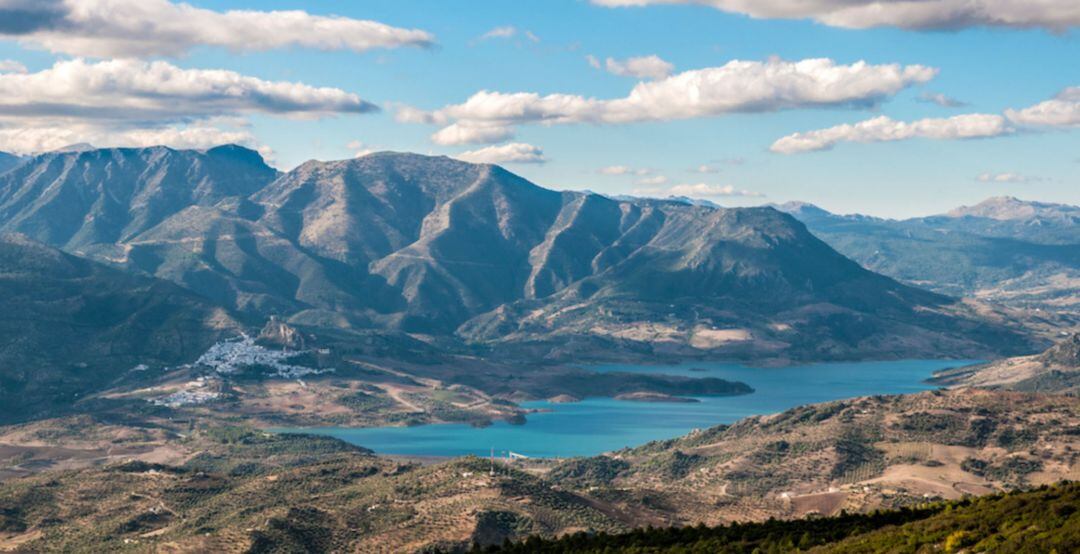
891, 108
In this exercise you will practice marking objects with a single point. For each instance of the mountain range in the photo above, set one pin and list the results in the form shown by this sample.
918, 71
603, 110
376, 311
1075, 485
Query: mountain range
435, 246
1009, 251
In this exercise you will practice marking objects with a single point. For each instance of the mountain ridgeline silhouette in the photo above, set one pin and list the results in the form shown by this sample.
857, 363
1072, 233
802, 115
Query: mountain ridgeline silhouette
437, 246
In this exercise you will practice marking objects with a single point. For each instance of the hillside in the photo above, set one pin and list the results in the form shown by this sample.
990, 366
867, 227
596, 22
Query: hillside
72, 327
1019, 253
855, 455
8, 161
189, 485
236, 490
1055, 371
431, 245
1043, 520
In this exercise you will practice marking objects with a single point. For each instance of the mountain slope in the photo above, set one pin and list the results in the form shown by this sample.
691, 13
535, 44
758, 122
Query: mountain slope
72, 326
1042, 520
82, 199
1023, 254
438, 246
856, 455
1056, 370
8, 161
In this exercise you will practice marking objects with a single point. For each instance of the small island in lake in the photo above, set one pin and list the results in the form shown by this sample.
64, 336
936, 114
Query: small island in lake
654, 397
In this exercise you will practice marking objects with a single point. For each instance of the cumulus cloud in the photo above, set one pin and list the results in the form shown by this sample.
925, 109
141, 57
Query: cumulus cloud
1007, 178
738, 86
12, 66
515, 152
141, 28
137, 91
697, 190
136, 103
941, 100
705, 169
1061, 111
644, 67
884, 129
472, 133
1056, 15
35, 139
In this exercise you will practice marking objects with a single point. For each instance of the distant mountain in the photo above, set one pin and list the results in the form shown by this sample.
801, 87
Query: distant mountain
86, 198
8, 161
1056, 370
72, 327
1007, 208
1024, 254
438, 246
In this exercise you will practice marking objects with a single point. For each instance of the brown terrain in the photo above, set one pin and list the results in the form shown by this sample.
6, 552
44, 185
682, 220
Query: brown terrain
1057, 371
194, 485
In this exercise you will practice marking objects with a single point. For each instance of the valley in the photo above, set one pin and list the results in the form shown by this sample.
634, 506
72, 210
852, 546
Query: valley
571, 276
410, 353
187, 487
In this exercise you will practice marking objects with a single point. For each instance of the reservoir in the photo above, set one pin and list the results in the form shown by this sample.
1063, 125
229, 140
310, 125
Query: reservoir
597, 425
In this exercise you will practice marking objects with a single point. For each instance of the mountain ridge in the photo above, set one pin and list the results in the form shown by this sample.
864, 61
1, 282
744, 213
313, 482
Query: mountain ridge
1019, 254
439, 246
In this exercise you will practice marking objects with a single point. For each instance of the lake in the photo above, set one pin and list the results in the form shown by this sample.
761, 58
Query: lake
597, 425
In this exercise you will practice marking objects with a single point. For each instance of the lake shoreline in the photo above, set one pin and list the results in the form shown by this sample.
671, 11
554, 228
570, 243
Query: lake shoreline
596, 425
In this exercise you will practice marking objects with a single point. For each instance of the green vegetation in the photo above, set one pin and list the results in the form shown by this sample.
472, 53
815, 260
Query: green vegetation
1043, 520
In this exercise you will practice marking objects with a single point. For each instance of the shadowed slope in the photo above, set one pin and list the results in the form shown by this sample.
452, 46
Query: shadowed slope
71, 326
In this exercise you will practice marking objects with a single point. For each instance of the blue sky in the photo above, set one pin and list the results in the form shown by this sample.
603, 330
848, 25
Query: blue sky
989, 69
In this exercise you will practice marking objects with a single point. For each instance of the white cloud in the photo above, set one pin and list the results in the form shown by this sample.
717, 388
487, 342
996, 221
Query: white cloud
12, 66
507, 31
1007, 178
697, 190
705, 169
884, 129
141, 28
135, 103
136, 91
360, 149
472, 133
515, 152
1061, 111
645, 67
941, 100
623, 170
703, 190
594, 61
35, 139
738, 86
1056, 15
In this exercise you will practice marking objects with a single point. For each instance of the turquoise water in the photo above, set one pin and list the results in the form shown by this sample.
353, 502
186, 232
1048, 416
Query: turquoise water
599, 425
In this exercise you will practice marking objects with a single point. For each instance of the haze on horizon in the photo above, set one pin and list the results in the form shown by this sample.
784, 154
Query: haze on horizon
890, 112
